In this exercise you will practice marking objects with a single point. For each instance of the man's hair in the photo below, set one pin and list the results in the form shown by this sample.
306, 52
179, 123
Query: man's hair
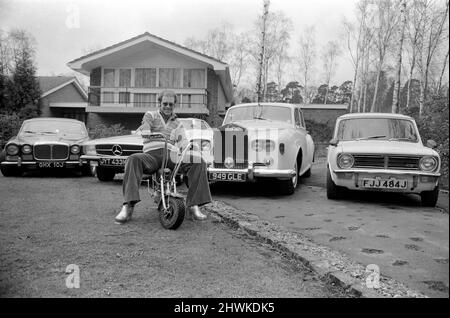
167, 93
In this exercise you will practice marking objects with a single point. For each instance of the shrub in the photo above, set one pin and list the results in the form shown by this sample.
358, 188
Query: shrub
9, 127
103, 131
434, 124
319, 132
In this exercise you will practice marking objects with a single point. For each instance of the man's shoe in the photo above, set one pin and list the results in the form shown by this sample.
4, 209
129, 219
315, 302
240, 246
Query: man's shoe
196, 213
125, 214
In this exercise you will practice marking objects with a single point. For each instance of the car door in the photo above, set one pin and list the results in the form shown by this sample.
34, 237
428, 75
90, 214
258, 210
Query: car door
306, 141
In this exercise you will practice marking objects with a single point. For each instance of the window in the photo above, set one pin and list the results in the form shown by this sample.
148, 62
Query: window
301, 120
109, 77
108, 97
194, 78
125, 78
124, 97
169, 77
297, 118
145, 77
144, 100
190, 100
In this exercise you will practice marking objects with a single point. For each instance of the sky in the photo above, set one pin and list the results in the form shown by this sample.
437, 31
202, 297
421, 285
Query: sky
65, 30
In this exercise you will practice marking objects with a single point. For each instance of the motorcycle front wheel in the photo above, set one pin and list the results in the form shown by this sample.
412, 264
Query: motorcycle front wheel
172, 217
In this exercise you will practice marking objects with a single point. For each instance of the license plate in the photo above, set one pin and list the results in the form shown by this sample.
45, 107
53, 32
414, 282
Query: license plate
378, 183
51, 164
112, 162
228, 176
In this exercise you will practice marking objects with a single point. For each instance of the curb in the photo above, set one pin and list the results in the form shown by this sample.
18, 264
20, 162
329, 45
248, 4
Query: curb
328, 264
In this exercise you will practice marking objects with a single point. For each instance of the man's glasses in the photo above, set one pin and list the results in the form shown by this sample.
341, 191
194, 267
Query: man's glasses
168, 104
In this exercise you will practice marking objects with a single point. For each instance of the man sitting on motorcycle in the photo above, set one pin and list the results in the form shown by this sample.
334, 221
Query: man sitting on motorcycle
164, 121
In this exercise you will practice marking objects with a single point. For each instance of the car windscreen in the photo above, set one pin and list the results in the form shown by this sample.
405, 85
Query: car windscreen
263, 112
377, 129
53, 127
194, 124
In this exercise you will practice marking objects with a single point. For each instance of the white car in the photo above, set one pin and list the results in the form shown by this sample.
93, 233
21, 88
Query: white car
381, 152
107, 156
261, 141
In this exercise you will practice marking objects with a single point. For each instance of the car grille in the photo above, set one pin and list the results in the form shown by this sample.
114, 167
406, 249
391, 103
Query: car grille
51, 152
387, 162
232, 144
127, 150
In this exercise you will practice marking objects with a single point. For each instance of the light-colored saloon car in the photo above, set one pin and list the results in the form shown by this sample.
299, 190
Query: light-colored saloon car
381, 152
107, 156
261, 141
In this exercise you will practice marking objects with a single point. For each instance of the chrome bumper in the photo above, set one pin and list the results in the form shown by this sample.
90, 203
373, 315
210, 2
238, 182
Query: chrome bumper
20, 163
256, 172
390, 172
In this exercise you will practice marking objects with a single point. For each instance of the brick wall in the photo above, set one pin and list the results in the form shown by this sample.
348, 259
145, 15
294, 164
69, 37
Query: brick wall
322, 115
214, 120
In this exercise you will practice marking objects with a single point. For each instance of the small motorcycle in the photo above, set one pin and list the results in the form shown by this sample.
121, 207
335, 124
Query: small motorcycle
171, 204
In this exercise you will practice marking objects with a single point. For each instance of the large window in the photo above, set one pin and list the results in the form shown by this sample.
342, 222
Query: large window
169, 77
145, 77
194, 78
190, 100
125, 77
109, 77
144, 100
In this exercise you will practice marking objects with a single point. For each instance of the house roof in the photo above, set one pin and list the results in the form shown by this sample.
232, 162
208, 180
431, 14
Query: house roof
140, 36
87, 63
51, 84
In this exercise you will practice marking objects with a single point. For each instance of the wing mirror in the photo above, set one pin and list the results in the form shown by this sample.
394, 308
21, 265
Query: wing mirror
431, 143
334, 142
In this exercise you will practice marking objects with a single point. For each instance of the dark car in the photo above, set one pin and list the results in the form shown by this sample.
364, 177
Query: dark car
45, 143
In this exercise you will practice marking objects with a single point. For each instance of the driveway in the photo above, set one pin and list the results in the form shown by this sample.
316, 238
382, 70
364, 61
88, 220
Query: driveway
408, 242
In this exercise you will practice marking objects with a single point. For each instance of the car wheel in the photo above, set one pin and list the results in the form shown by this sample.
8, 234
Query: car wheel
288, 186
105, 174
334, 192
11, 171
86, 171
429, 198
307, 174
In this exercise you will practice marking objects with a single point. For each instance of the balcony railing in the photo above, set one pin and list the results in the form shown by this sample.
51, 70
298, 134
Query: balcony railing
143, 97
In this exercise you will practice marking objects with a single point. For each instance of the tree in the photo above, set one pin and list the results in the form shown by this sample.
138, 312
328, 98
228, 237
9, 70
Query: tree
21, 91
396, 93
292, 93
306, 58
272, 92
329, 56
385, 24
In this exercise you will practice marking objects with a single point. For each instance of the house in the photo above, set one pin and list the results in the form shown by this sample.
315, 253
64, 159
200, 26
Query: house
62, 96
126, 78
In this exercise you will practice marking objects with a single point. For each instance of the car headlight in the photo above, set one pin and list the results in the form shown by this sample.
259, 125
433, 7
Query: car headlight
262, 144
428, 163
12, 150
89, 150
26, 149
345, 161
75, 149
206, 145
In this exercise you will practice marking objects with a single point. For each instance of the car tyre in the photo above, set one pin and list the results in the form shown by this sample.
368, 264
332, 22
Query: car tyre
10, 171
334, 192
288, 186
105, 175
307, 174
429, 198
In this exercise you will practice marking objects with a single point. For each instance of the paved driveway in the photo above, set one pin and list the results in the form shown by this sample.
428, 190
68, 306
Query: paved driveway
408, 242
